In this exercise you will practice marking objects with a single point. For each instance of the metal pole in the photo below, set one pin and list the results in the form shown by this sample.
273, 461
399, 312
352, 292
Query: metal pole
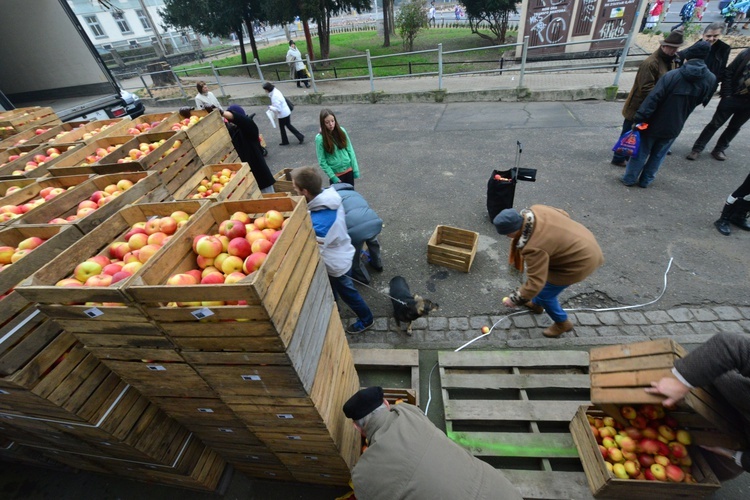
628, 41
312, 76
146, 86
523, 59
260, 73
218, 80
369, 69
179, 83
153, 27
440, 66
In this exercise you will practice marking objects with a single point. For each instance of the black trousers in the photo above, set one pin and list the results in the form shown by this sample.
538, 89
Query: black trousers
302, 78
286, 123
738, 108
347, 177
743, 190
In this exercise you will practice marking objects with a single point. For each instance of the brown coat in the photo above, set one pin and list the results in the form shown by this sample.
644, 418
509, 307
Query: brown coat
560, 251
651, 69
411, 459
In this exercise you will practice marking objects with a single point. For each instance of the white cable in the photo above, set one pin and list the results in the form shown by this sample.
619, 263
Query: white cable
429, 388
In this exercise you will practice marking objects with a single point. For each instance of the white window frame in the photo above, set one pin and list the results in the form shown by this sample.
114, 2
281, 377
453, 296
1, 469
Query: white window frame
95, 26
144, 20
122, 23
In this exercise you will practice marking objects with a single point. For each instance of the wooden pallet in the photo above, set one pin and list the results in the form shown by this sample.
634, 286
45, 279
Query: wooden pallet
512, 409
388, 360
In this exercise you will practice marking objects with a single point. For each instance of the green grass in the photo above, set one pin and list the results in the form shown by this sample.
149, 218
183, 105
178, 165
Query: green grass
356, 44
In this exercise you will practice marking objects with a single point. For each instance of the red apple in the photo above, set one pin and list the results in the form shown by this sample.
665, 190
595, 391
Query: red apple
195, 273
182, 279
102, 260
232, 229
124, 184
147, 252
241, 216
674, 473
234, 277
209, 247
253, 262
157, 238
167, 225
152, 226
239, 247
273, 219
87, 269
659, 472
30, 243
112, 269
137, 241
99, 280
69, 282
132, 267
119, 276
231, 264
213, 278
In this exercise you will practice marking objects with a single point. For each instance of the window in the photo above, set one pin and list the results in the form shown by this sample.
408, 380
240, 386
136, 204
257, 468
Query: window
144, 19
119, 18
94, 26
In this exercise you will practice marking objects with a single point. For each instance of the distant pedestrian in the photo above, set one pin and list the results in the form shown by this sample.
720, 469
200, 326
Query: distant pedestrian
297, 66
335, 152
246, 140
205, 99
654, 14
457, 12
686, 14
431, 15
363, 226
665, 110
651, 69
283, 113
734, 104
735, 209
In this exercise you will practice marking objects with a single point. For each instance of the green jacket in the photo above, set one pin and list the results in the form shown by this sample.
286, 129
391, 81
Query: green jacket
339, 161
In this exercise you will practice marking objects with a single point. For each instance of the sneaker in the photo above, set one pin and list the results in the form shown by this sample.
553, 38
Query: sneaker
622, 163
693, 155
719, 155
359, 326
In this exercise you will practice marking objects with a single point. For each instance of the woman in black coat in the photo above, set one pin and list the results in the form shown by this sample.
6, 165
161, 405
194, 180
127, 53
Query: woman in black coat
246, 140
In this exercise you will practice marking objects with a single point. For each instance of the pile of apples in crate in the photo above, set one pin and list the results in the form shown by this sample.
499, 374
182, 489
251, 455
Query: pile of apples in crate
126, 256
143, 127
97, 200
210, 188
38, 160
236, 251
145, 148
8, 212
91, 133
651, 448
186, 123
10, 255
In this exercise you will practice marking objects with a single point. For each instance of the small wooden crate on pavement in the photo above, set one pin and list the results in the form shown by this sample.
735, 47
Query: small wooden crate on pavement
452, 247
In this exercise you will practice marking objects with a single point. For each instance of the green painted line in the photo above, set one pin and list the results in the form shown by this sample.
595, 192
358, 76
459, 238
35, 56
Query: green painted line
510, 450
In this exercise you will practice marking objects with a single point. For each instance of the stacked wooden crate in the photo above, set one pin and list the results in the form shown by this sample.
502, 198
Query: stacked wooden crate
18, 120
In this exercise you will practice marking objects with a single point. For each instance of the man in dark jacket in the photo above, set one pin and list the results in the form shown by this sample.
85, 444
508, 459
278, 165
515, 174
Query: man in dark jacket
363, 226
735, 103
718, 56
651, 69
722, 362
246, 140
409, 458
666, 109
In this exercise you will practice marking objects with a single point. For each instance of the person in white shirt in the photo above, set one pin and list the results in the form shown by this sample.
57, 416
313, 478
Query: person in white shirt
283, 114
296, 65
431, 15
205, 99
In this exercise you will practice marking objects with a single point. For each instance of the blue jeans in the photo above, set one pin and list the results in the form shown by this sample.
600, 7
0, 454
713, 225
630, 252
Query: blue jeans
642, 167
547, 298
344, 286
627, 125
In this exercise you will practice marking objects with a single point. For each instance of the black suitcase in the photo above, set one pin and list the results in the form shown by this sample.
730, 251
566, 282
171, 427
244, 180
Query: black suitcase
501, 187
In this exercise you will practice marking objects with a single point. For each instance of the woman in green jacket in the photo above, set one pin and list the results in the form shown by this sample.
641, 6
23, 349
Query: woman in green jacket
335, 152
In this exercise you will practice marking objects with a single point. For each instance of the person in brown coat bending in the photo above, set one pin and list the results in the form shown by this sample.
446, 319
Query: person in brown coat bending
557, 251
651, 69
408, 458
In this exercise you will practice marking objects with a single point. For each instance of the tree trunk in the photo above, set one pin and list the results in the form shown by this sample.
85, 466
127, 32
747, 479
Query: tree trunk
392, 16
308, 39
253, 46
324, 34
241, 36
386, 24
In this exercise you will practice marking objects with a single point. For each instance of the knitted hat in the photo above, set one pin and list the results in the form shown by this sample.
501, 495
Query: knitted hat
674, 39
508, 221
699, 50
363, 403
236, 109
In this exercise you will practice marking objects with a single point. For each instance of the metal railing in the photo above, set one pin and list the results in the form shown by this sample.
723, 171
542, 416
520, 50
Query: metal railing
257, 73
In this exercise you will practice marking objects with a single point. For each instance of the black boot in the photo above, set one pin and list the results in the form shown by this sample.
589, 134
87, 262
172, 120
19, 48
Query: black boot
722, 225
739, 219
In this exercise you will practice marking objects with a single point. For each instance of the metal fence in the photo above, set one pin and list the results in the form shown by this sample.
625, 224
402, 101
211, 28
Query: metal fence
489, 60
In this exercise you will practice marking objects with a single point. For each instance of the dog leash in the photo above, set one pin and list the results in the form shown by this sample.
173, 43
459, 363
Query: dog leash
378, 291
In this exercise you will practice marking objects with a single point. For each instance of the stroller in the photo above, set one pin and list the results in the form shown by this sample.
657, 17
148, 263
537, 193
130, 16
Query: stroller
501, 187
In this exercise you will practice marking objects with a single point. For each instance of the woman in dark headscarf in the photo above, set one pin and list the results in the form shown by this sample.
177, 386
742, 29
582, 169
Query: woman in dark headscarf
246, 140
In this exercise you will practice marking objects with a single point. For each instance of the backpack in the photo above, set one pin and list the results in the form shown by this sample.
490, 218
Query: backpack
686, 13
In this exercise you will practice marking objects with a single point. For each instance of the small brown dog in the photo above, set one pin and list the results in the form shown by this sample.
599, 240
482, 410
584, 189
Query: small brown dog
407, 307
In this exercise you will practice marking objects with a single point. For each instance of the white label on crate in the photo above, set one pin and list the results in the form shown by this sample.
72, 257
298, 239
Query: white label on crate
4, 392
325, 475
105, 443
224, 429
285, 416
156, 368
94, 312
270, 473
250, 378
202, 313
295, 438
152, 217
254, 457
205, 410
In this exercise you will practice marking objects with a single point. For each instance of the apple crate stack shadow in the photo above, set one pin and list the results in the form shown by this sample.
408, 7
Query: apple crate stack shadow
501, 187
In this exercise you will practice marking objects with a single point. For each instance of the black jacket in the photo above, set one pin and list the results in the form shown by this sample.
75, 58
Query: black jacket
246, 140
732, 79
716, 60
668, 106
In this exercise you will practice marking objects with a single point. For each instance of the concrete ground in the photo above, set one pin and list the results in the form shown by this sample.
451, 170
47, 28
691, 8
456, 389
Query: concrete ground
425, 164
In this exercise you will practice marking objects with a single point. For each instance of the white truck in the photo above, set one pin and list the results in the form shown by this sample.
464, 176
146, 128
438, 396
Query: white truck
46, 59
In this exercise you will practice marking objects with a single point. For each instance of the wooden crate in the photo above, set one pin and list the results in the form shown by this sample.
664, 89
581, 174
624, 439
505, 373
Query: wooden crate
208, 125
71, 164
283, 182
18, 120
30, 137
512, 409
95, 130
391, 360
7, 184
620, 373
241, 186
122, 325
604, 485
31, 192
268, 321
154, 120
67, 203
6, 154
452, 247
17, 169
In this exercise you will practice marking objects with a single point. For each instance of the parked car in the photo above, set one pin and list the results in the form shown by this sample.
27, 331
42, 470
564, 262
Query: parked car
133, 104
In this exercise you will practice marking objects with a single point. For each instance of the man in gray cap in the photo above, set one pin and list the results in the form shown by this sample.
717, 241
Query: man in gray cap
557, 252
409, 458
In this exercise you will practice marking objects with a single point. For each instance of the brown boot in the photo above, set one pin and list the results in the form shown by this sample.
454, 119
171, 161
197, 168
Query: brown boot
535, 308
558, 329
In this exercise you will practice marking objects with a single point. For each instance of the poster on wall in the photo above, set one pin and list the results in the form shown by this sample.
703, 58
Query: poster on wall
547, 23
616, 21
